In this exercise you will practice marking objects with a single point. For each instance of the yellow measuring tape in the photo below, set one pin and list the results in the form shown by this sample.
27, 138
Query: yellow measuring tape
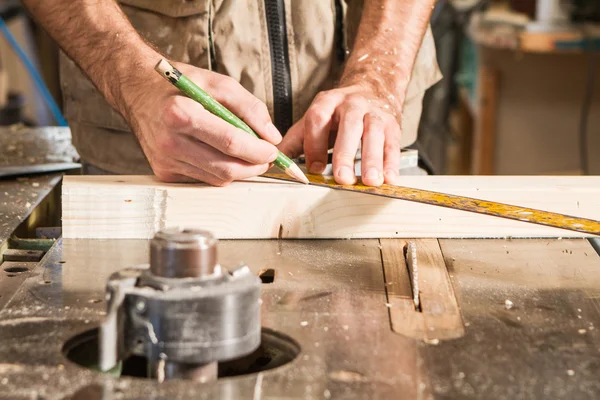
469, 204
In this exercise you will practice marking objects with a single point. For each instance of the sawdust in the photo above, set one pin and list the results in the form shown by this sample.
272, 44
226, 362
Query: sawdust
25, 320
7, 368
347, 376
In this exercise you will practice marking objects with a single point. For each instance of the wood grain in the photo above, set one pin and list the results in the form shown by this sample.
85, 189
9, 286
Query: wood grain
397, 278
439, 317
138, 206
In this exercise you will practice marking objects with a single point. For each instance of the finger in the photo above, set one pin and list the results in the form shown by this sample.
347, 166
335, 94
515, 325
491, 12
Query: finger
373, 142
171, 177
232, 141
317, 128
391, 153
292, 144
246, 106
346, 145
170, 169
195, 174
222, 166
180, 172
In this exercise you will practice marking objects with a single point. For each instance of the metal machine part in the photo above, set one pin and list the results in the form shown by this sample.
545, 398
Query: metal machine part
184, 313
178, 253
183, 254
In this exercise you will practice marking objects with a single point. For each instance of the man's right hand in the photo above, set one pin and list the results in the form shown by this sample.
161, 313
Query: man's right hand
183, 142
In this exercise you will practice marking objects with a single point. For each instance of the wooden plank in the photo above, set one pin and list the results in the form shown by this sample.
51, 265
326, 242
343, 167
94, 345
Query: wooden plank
485, 125
397, 279
138, 206
439, 316
439, 307
404, 319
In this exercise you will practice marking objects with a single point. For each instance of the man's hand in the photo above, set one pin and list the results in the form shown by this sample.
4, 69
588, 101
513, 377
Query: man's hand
345, 118
184, 142
181, 140
367, 105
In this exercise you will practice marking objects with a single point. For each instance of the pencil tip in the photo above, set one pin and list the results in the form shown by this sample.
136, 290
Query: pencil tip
295, 172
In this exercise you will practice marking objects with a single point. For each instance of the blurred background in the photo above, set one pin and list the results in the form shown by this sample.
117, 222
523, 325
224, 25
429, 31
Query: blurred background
519, 94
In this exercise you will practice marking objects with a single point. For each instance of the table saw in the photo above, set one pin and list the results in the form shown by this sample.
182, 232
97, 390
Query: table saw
493, 318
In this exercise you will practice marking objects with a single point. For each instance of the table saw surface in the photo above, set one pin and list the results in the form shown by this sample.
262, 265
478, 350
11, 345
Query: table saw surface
330, 298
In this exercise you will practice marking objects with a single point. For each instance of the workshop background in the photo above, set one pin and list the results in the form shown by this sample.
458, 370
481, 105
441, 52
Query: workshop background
519, 94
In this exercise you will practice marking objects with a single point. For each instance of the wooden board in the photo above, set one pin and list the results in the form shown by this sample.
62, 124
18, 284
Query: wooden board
138, 206
439, 317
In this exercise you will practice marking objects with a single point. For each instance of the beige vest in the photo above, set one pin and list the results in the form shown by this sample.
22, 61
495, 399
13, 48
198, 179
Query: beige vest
209, 34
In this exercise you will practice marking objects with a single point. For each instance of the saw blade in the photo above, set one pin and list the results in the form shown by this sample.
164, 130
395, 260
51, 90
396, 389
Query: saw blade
413, 269
492, 208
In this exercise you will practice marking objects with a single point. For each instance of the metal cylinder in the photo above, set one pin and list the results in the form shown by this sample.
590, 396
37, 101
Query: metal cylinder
183, 253
199, 373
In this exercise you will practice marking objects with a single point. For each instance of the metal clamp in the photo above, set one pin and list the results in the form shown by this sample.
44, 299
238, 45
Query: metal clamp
183, 311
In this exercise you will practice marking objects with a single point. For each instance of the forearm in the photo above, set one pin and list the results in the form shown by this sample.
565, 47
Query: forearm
387, 43
99, 38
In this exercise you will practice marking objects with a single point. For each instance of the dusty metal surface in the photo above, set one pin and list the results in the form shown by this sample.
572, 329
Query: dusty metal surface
544, 342
18, 199
21, 200
329, 296
531, 310
23, 146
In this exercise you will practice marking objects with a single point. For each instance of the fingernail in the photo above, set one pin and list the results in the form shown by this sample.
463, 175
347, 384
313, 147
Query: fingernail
317, 167
391, 176
346, 174
373, 175
274, 132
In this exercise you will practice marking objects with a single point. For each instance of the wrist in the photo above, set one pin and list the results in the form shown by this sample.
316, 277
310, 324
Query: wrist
379, 73
123, 75
133, 75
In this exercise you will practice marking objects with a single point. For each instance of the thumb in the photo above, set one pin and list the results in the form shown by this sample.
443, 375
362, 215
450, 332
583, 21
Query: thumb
292, 144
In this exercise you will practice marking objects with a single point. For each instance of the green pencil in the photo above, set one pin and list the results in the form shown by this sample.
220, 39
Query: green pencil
194, 92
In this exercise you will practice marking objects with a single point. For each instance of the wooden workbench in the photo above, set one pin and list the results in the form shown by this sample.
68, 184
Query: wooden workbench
500, 319
530, 88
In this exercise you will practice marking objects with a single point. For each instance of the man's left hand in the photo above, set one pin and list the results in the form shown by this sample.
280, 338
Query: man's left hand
344, 118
